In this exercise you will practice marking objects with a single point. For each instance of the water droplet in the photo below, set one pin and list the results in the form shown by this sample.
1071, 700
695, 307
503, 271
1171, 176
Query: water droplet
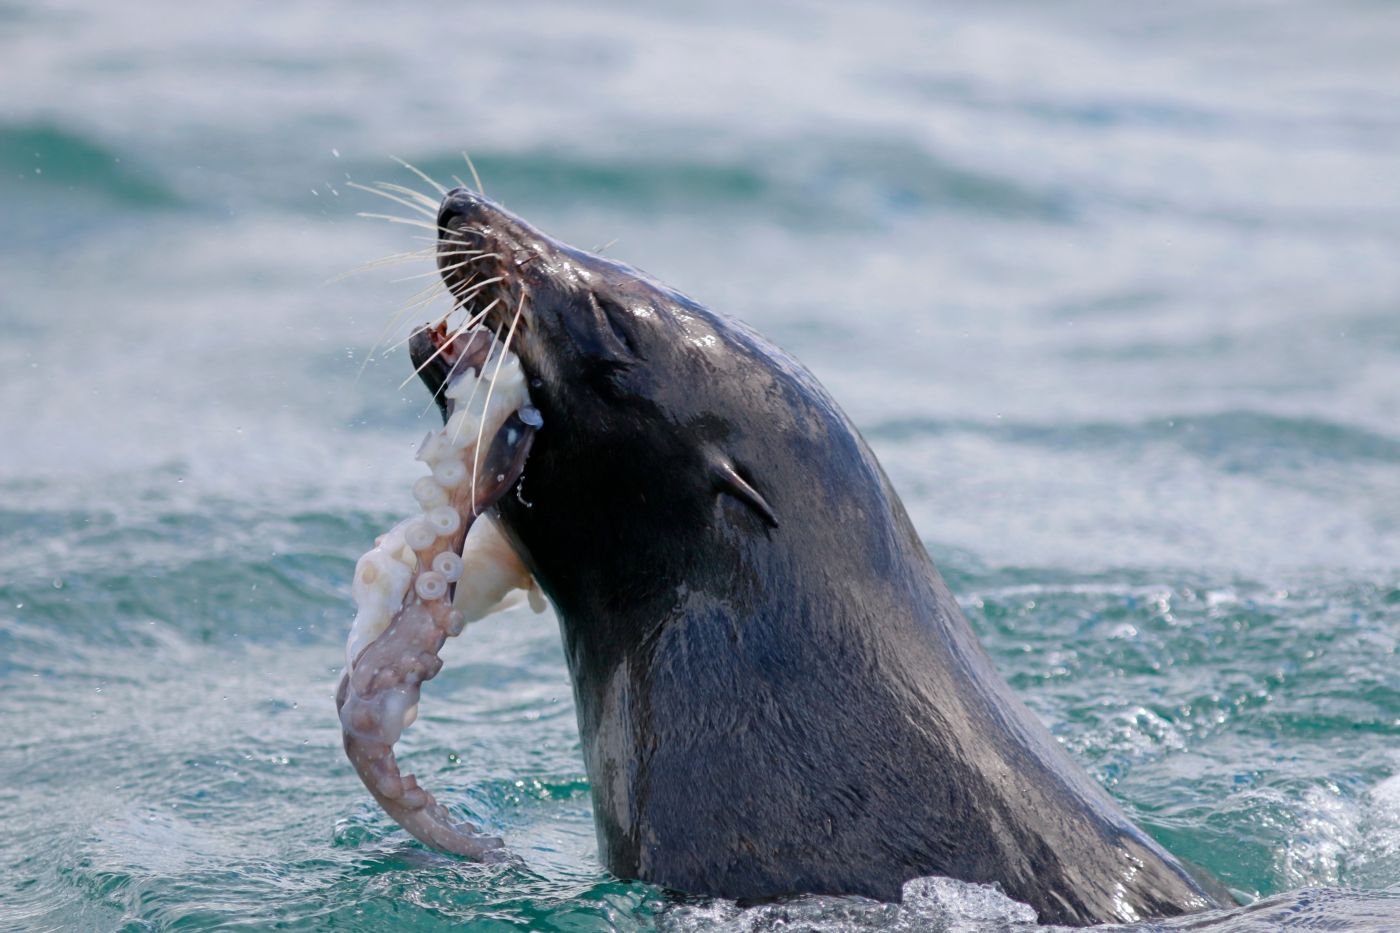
57, 583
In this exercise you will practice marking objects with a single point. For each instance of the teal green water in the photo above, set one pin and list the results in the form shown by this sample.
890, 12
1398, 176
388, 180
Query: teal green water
1112, 292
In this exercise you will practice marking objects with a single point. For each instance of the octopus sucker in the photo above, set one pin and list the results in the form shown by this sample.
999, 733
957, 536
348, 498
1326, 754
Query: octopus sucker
430, 575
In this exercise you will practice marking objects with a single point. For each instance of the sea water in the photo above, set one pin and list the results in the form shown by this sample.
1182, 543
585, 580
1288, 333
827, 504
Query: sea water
1112, 291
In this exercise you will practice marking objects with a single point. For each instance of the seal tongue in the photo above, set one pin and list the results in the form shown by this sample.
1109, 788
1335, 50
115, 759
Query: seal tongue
403, 590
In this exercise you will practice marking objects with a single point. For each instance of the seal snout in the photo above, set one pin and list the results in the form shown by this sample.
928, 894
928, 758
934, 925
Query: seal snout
459, 207
482, 253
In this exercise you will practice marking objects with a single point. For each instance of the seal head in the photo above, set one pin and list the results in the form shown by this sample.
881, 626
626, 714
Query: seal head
776, 692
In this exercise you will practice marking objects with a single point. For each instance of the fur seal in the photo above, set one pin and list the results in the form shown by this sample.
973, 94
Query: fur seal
777, 693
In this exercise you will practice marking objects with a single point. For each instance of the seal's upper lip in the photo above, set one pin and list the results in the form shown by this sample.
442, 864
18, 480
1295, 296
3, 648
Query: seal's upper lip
479, 256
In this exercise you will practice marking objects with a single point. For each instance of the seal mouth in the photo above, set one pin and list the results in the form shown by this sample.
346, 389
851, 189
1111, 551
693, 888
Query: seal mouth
439, 354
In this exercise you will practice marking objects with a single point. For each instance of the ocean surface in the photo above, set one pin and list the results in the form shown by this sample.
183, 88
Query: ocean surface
1113, 290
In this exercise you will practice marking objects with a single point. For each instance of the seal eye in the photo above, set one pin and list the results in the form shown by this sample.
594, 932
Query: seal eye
611, 332
728, 480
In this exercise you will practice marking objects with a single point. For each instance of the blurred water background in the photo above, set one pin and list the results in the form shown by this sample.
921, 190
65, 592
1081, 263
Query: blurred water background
1113, 290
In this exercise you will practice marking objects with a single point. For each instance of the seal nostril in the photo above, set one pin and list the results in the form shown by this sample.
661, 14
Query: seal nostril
455, 205
447, 213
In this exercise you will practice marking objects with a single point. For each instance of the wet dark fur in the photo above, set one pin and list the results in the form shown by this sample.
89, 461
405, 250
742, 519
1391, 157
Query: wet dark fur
776, 691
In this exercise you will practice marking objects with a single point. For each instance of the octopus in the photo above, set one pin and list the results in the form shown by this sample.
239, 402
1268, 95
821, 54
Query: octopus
432, 574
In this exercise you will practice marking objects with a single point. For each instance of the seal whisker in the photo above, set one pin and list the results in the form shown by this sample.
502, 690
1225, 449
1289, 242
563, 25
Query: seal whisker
390, 348
396, 219
411, 205
474, 317
436, 240
463, 296
422, 296
394, 321
393, 259
480, 285
495, 375
480, 188
444, 269
481, 315
447, 342
441, 318
413, 193
417, 300
411, 221
435, 272
415, 170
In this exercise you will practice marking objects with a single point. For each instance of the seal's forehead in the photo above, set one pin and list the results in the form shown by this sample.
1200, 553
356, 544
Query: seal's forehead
698, 331
688, 321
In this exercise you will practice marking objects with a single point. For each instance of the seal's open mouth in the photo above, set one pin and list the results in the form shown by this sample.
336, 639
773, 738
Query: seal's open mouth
436, 356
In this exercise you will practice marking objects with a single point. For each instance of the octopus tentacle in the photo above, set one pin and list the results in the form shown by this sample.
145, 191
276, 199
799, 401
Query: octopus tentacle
404, 591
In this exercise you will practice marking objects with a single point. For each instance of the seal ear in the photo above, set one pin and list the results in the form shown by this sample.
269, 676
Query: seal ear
728, 480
